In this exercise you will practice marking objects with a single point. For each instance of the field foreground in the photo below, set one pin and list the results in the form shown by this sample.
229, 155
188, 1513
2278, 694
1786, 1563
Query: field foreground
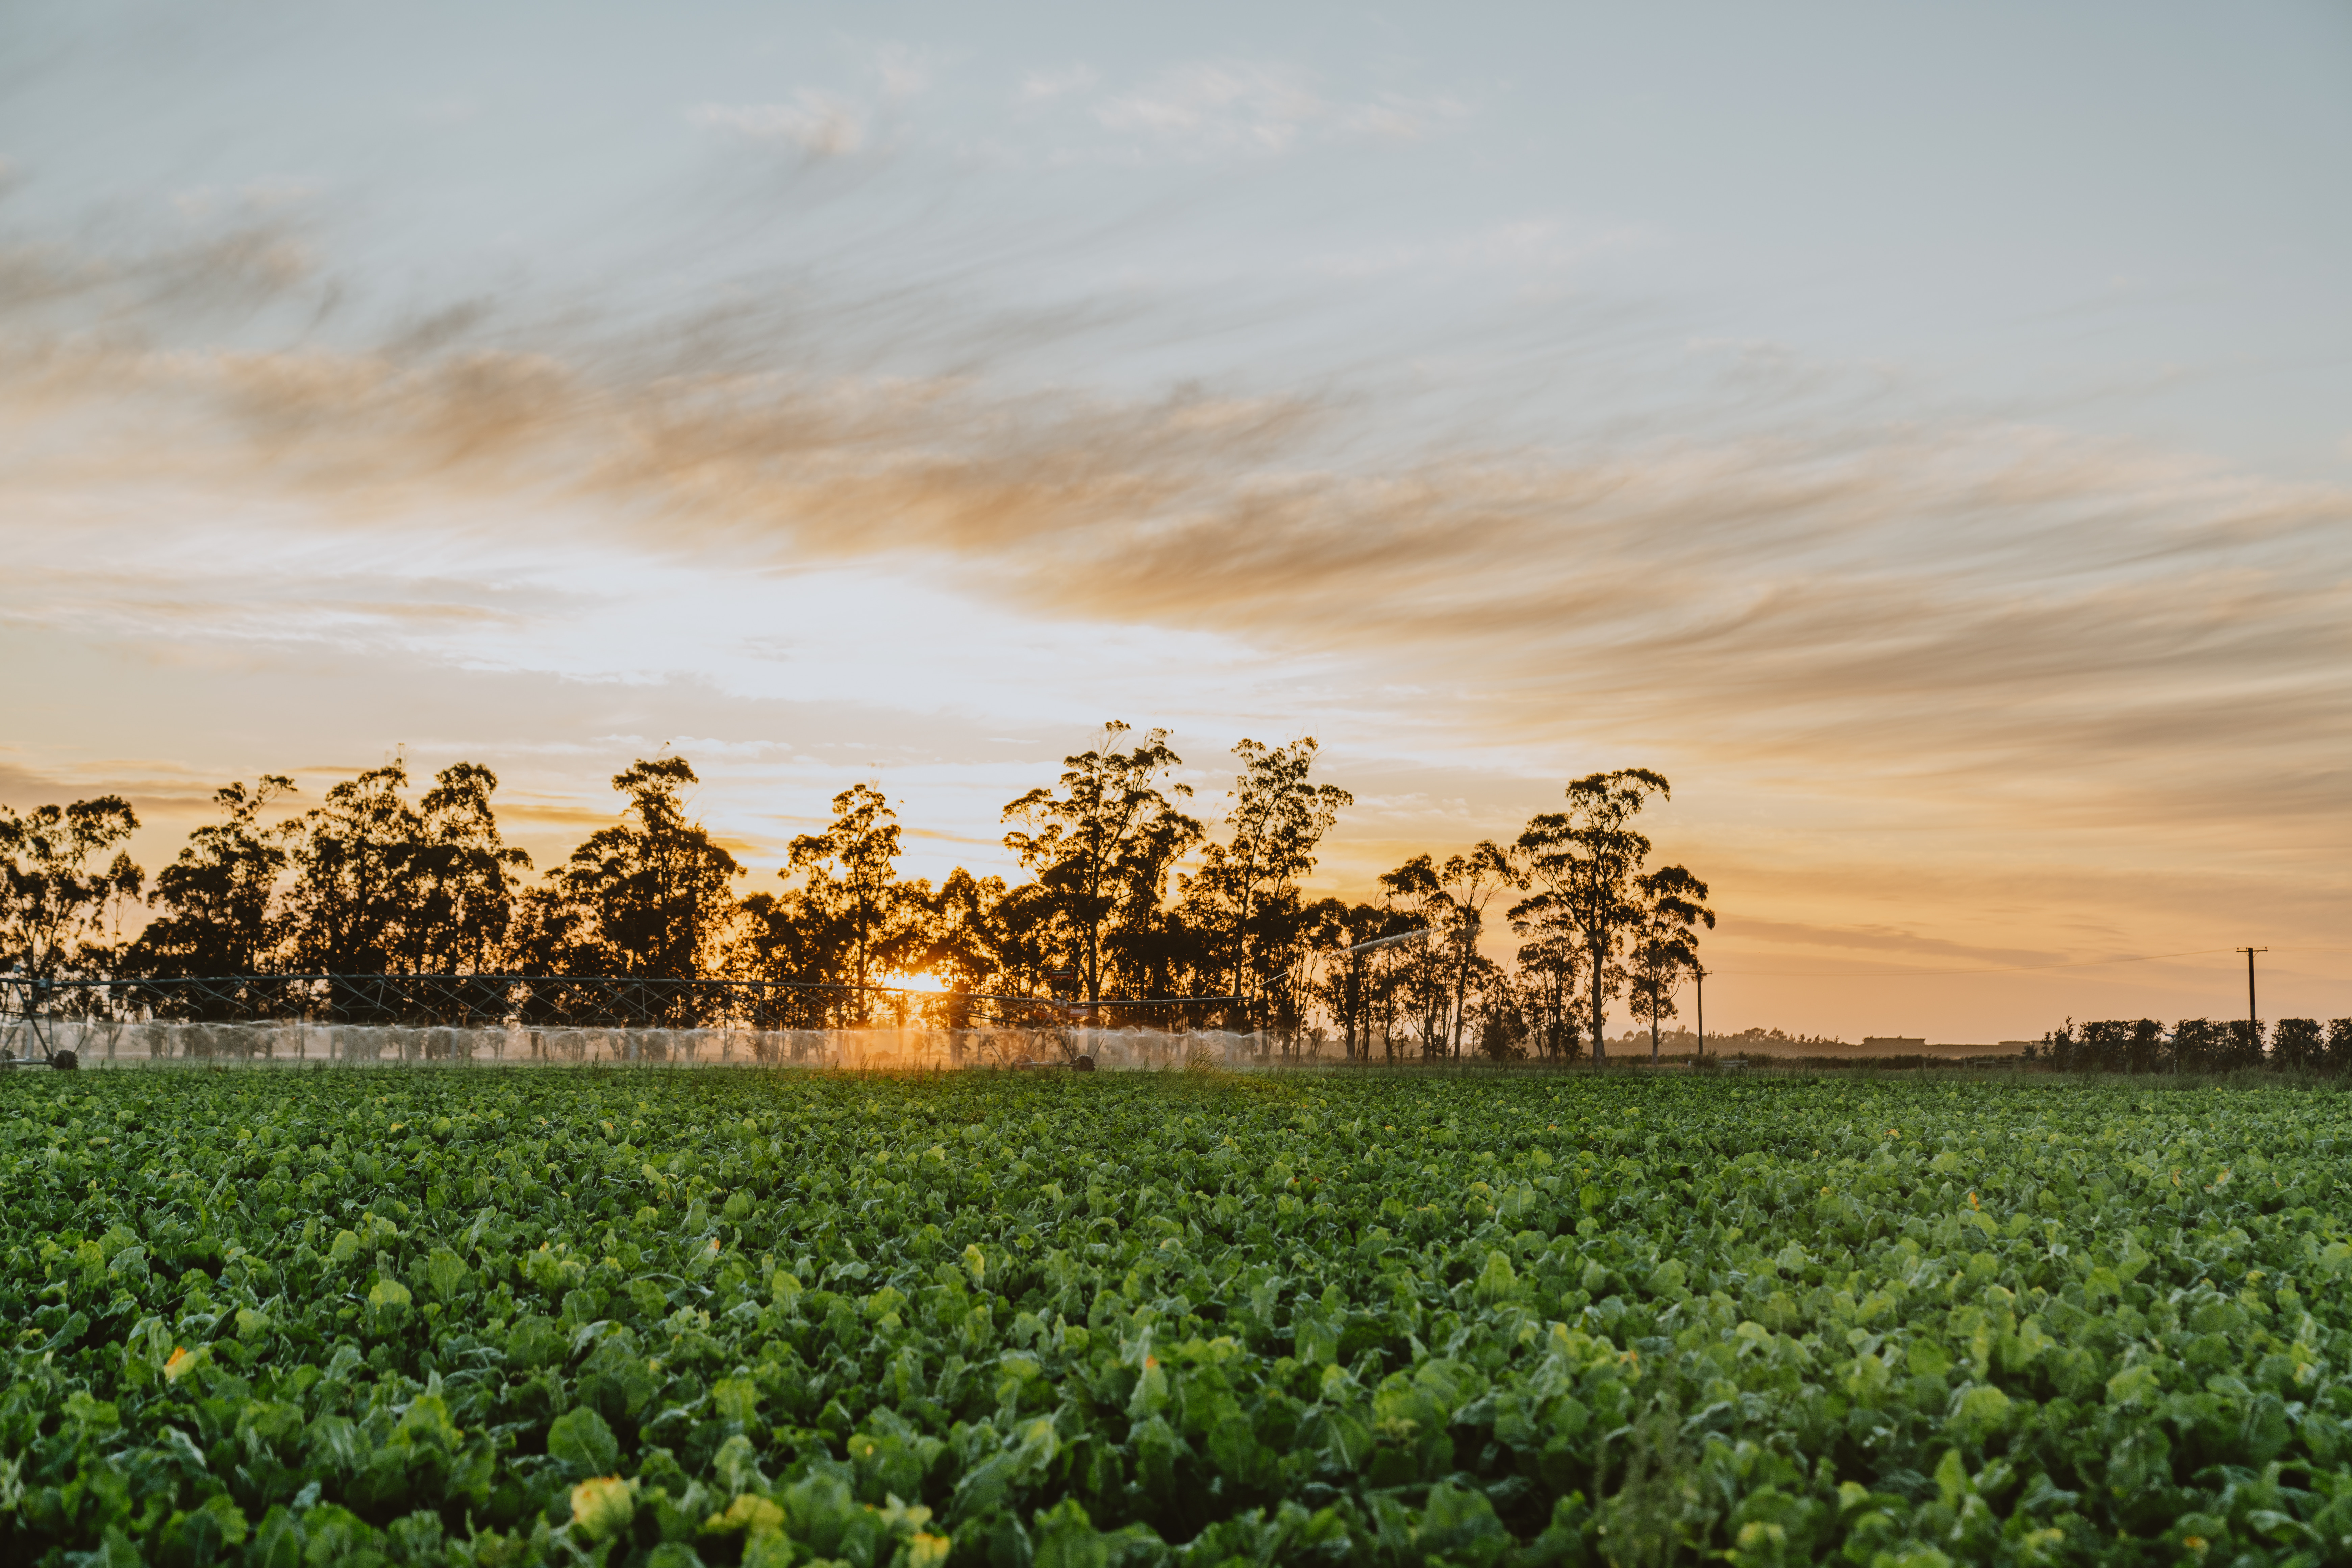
633, 1317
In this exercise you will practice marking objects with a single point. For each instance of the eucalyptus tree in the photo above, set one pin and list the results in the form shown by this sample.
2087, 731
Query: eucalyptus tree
1549, 963
1108, 835
463, 877
1150, 949
53, 893
379, 884
352, 858
219, 899
1583, 862
1419, 973
1450, 900
1319, 933
651, 896
963, 933
849, 888
1471, 882
1664, 942
1277, 820
1346, 981
769, 941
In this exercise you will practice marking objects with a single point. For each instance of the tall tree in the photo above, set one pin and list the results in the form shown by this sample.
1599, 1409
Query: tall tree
1422, 974
771, 941
1471, 882
352, 860
963, 933
651, 896
1583, 862
1549, 963
219, 897
463, 876
1450, 900
850, 872
1354, 981
1277, 821
53, 897
1670, 908
1110, 832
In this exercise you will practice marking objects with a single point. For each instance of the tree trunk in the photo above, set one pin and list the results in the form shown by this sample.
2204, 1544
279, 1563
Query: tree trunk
1462, 981
1599, 1041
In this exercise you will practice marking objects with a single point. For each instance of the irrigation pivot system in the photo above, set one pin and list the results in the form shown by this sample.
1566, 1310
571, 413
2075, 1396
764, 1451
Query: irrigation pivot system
51, 1022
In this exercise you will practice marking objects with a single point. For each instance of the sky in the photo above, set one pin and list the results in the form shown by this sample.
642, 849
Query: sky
1922, 433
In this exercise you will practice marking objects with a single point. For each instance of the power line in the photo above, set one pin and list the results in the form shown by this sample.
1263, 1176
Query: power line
2002, 969
2005, 969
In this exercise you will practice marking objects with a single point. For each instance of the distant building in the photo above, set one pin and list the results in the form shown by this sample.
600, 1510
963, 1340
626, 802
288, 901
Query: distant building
1895, 1045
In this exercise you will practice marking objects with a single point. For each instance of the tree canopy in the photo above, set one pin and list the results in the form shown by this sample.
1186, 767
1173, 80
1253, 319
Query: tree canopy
1127, 895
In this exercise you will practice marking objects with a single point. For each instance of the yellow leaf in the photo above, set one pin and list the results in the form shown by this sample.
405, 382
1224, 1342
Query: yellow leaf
177, 1365
602, 1507
748, 1512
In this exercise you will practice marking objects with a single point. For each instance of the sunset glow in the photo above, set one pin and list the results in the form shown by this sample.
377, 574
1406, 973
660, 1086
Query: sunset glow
918, 982
1927, 449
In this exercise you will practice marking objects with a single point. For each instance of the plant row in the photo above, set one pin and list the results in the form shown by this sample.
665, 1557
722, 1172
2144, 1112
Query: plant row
667, 1319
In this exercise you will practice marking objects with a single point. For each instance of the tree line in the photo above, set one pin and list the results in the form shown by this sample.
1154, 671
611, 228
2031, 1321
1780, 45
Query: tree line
2197, 1046
1126, 895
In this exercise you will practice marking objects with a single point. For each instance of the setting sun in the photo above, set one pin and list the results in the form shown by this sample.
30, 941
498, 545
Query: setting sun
916, 982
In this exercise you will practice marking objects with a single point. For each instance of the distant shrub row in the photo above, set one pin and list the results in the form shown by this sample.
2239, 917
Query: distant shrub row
2197, 1045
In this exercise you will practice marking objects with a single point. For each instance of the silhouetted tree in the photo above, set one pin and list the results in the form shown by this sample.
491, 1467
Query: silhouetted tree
849, 883
1583, 862
2198, 1044
52, 902
1277, 820
462, 878
1664, 942
1470, 882
1109, 833
2298, 1045
1549, 966
1351, 980
1505, 1019
963, 935
1149, 949
1030, 939
773, 939
1419, 973
352, 857
219, 897
651, 896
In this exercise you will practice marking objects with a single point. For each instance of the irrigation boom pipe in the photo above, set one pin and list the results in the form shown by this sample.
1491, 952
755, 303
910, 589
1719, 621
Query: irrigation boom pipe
1414, 935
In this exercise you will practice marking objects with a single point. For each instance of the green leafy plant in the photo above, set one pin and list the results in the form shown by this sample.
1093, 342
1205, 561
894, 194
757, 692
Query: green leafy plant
638, 1318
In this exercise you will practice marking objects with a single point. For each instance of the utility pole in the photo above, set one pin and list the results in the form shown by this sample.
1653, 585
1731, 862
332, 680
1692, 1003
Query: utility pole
1699, 975
2254, 1020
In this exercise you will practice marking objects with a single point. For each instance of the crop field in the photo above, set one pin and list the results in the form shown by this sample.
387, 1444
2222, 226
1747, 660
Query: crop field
626, 1317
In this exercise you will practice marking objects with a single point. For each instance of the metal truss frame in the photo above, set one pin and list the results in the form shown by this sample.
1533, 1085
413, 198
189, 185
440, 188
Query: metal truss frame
29, 1007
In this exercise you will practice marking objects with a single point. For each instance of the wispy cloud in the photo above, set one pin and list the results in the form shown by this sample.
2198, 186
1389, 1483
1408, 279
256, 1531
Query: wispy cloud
904, 73
1224, 108
821, 124
1542, 244
1218, 107
1057, 83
